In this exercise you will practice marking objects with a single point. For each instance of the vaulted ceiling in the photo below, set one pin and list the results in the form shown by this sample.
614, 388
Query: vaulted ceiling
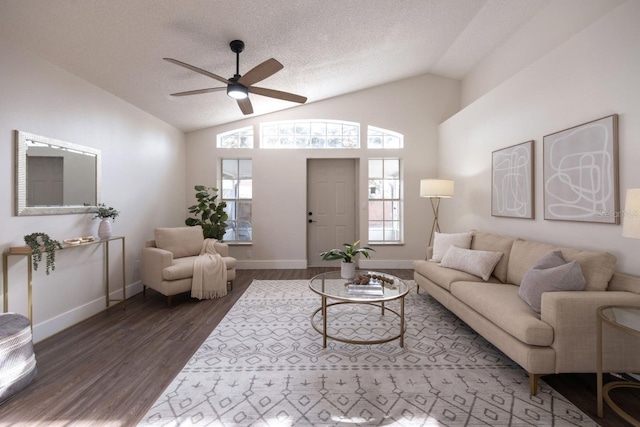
328, 47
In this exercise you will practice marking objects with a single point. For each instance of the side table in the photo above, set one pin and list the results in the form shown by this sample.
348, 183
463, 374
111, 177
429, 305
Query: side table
627, 320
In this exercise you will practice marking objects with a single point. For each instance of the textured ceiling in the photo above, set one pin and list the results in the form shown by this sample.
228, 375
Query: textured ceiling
327, 47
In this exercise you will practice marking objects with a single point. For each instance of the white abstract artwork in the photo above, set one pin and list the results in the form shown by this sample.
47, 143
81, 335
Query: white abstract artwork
512, 181
581, 173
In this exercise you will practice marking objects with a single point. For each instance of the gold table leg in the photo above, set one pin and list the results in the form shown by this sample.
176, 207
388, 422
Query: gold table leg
599, 367
402, 322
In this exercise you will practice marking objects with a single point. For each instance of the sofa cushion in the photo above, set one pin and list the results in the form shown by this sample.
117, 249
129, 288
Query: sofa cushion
551, 273
443, 241
482, 241
478, 263
181, 241
523, 255
501, 305
442, 276
182, 268
597, 267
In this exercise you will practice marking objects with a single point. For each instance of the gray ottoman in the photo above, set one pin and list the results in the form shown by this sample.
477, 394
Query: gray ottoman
17, 361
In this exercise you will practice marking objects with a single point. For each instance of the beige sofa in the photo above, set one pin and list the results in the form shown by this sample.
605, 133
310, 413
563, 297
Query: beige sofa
167, 261
562, 339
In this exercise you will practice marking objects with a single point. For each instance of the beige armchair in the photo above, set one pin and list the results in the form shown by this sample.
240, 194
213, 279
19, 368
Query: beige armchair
167, 261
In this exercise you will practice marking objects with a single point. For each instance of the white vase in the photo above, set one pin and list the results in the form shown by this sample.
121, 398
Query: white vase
104, 229
347, 270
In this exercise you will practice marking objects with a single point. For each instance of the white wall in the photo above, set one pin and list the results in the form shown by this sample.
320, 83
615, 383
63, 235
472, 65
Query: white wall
143, 176
553, 25
592, 75
414, 107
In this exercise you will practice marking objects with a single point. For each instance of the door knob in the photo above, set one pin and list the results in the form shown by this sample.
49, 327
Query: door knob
310, 221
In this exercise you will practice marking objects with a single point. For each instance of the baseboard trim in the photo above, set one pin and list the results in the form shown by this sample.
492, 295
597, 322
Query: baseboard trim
69, 318
302, 264
295, 264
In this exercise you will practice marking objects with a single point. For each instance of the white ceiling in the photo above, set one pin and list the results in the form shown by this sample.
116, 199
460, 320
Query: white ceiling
328, 47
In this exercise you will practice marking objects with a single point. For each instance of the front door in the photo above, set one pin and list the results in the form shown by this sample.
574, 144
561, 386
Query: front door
331, 207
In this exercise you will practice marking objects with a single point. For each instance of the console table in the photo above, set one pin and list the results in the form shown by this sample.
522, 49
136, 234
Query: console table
26, 252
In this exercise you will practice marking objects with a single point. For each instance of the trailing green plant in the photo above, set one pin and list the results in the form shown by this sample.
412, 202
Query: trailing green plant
106, 212
40, 243
349, 254
208, 214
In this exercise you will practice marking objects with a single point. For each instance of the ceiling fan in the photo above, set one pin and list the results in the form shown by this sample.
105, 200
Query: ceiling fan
239, 86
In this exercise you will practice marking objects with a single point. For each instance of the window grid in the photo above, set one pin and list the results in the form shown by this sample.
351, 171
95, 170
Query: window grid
385, 201
314, 134
383, 138
237, 192
237, 138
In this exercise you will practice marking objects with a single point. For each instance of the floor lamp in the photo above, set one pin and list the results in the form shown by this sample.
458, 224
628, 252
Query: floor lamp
436, 189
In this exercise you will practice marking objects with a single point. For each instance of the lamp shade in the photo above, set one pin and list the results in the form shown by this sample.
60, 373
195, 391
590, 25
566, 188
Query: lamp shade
436, 188
631, 218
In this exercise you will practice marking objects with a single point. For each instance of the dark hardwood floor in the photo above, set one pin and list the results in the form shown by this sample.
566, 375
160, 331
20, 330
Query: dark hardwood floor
110, 369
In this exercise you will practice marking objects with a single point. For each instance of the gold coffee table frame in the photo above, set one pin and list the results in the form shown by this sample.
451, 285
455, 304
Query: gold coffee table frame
331, 286
627, 320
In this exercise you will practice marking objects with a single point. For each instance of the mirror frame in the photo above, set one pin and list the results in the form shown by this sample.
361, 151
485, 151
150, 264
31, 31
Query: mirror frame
22, 209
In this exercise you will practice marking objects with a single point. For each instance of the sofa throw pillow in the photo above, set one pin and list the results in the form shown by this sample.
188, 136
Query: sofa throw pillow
443, 241
551, 273
478, 263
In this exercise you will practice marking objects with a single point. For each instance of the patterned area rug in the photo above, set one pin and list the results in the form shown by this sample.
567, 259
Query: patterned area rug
264, 365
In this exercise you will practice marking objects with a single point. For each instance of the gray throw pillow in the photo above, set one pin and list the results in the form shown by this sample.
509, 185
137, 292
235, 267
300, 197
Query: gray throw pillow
551, 273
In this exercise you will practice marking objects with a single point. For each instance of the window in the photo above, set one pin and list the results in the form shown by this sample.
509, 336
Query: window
383, 138
310, 134
385, 201
237, 138
237, 192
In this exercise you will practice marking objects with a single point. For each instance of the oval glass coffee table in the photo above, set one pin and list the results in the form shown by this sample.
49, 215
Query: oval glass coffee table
331, 286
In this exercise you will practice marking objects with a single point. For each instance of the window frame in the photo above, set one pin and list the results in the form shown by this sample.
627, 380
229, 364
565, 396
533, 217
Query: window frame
385, 133
398, 201
237, 131
236, 200
294, 136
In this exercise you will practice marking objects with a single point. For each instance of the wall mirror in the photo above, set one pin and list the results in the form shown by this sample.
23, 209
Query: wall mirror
55, 177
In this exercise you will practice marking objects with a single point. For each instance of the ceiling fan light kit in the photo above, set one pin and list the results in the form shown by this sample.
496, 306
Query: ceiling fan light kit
239, 86
237, 91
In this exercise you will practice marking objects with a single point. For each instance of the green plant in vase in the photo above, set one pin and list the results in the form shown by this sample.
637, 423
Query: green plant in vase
347, 257
105, 214
41, 243
209, 214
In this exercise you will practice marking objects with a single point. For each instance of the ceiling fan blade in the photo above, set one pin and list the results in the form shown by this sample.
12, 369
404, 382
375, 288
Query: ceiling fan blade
197, 70
199, 91
260, 72
245, 106
278, 94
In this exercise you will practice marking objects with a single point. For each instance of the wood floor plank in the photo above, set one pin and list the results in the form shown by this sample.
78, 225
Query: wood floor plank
110, 369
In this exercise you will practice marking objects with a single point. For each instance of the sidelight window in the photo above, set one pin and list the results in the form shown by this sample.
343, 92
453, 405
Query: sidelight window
237, 192
385, 201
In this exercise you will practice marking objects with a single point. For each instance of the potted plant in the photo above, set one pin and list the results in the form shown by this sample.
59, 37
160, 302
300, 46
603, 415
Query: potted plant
212, 216
40, 243
347, 257
105, 213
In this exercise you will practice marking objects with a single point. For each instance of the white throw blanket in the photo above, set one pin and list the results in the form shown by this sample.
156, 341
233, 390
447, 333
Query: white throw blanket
209, 273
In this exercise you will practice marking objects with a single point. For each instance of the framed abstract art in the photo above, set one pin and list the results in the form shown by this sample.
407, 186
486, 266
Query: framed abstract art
512, 187
581, 173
